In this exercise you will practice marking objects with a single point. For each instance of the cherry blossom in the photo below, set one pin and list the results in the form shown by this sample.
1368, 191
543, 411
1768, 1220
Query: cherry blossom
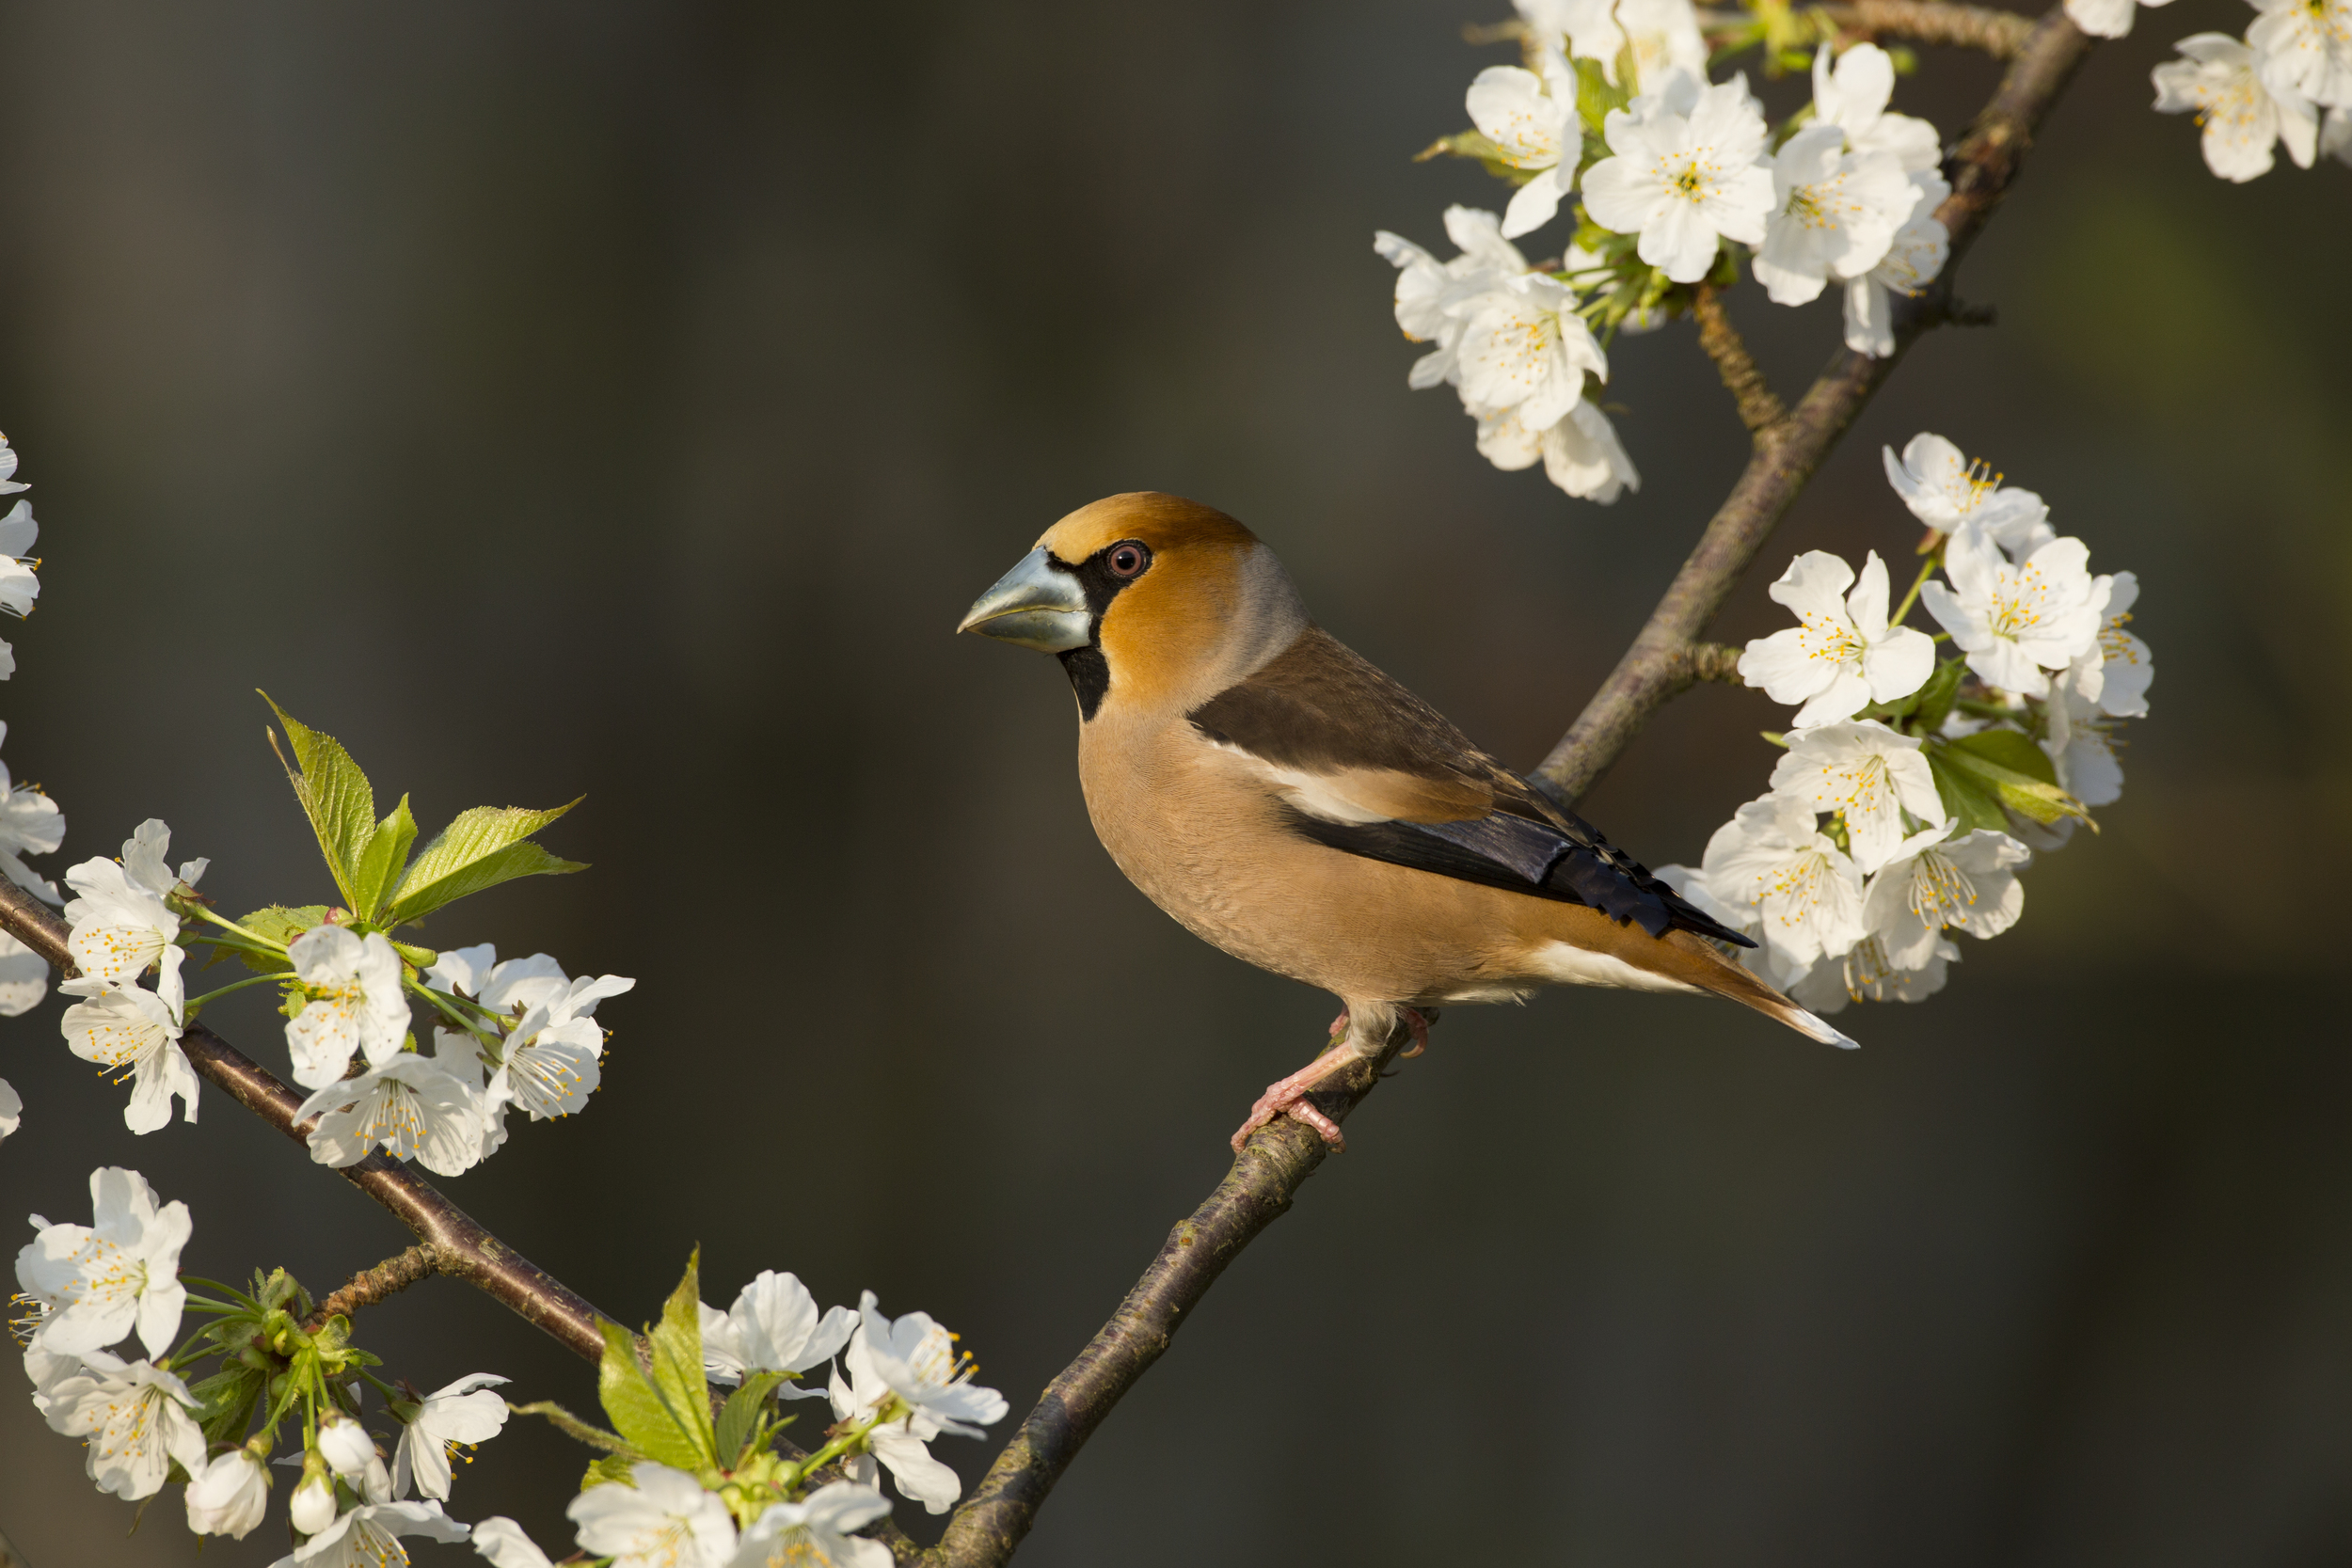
1915, 258
662, 1519
1684, 179
413, 1107
2305, 48
1580, 451
502, 1541
773, 1327
135, 1033
136, 1420
1835, 214
1793, 884
815, 1532
1867, 773
11, 1109
368, 1536
355, 1003
1852, 95
1936, 883
2220, 81
1842, 656
1949, 492
461, 1415
228, 1495
116, 1276
18, 585
24, 977
1532, 122
1431, 295
2106, 19
2017, 622
30, 824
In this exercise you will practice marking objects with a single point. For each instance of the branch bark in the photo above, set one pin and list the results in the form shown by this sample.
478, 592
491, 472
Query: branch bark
463, 1248
2002, 35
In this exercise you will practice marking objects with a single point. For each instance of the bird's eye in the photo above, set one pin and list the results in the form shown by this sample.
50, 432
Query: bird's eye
1129, 558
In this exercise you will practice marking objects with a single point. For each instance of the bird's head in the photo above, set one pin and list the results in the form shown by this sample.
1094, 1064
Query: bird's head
1151, 600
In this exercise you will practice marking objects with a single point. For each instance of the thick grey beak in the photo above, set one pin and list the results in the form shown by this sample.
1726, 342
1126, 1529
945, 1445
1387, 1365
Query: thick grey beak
1035, 605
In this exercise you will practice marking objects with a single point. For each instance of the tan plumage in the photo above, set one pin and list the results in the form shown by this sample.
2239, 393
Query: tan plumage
1285, 801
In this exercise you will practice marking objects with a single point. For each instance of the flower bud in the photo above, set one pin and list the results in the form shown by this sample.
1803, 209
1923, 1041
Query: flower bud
228, 1495
311, 1508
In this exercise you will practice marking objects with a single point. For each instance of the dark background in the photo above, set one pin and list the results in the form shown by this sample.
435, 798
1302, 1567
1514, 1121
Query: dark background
627, 399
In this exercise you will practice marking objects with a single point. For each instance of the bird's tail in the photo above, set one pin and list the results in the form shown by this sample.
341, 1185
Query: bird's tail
1729, 977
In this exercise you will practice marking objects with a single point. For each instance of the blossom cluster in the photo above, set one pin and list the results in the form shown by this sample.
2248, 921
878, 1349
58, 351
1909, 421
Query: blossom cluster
30, 822
1939, 777
2288, 80
86, 1290
1679, 177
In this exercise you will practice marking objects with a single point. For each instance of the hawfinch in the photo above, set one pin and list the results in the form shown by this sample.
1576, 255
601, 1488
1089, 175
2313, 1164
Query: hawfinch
1288, 803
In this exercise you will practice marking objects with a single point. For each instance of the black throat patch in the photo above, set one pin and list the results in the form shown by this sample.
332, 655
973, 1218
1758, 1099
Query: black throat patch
1090, 672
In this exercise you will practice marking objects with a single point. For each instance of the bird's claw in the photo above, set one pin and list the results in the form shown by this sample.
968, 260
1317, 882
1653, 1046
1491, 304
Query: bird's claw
1419, 1022
1281, 1100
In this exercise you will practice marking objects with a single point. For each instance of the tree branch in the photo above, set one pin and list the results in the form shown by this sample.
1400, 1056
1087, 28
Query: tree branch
2002, 35
1657, 667
1760, 408
1664, 659
370, 1286
462, 1248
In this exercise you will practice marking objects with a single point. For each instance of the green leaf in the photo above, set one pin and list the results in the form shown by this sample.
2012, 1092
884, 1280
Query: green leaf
335, 795
572, 1426
279, 925
1596, 95
676, 1345
1473, 144
2021, 792
611, 1470
1933, 701
2012, 749
1966, 799
636, 1408
482, 848
381, 863
739, 1420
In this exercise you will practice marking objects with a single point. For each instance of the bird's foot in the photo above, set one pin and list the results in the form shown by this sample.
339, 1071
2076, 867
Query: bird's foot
1287, 1097
1419, 1022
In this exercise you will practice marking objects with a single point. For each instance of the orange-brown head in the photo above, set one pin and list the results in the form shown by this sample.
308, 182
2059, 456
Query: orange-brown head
1151, 600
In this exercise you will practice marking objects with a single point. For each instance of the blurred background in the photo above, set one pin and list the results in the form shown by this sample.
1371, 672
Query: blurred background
626, 398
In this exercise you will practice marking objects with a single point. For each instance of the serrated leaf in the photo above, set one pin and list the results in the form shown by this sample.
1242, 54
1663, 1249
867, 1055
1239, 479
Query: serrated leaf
483, 848
1974, 805
279, 925
2021, 792
635, 1407
611, 1470
382, 861
572, 1426
676, 1346
739, 1419
335, 795
2012, 749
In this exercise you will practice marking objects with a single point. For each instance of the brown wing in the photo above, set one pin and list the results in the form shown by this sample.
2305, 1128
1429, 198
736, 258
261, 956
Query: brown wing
1371, 769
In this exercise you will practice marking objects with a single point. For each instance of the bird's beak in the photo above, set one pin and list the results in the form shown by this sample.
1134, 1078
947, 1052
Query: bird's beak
1036, 605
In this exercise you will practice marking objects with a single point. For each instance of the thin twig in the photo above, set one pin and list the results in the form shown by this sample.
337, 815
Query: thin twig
370, 1286
1656, 667
1760, 408
465, 1249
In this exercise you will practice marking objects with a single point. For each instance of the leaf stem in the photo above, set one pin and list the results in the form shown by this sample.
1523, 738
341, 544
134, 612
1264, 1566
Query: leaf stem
274, 977
228, 924
1927, 570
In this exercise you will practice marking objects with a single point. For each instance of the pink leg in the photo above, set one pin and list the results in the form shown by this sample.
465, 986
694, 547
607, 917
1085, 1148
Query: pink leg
1419, 1024
1286, 1097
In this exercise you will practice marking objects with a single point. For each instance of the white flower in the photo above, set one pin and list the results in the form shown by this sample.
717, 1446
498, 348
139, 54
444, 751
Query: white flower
414, 1106
30, 824
662, 1519
115, 1276
133, 1033
1949, 492
11, 1109
24, 977
1867, 773
136, 1418
18, 585
1581, 453
2014, 622
351, 1454
367, 1536
2220, 82
1854, 96
2106, 19
514, 988
1790, 881
2081, 748
1863, 974
1684, 182
2126, 667
1525, 349
311, 1508
1937, 882
1842, 656
550, 1067
917, 1356
901, 1444
1531, 120
461, 1415
502, 1541
1431, 295
773, 1328
1835, 214
2335, 135
356, 1003
815, 1532
1664, 35
120, 923
2306, 49
226, 1496
9, 484
1915, 258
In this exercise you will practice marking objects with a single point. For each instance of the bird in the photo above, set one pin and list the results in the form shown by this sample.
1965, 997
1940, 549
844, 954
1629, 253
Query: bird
1287, 802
